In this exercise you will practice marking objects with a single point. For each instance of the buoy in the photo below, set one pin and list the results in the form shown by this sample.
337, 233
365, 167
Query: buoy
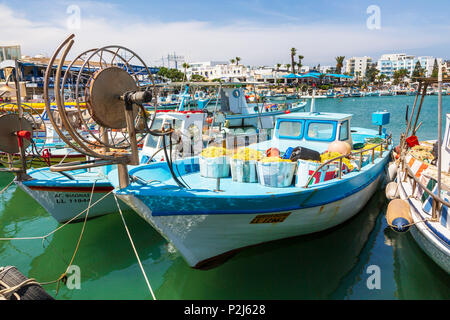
392, 171
340, 146
392, 190
398, 215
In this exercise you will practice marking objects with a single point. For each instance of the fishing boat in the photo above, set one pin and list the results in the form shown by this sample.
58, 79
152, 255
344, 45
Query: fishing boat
421, 192
211, 219
196, 205
235, 113
355, 93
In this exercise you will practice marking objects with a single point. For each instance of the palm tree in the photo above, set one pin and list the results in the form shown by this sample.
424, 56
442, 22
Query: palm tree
339, 64
288, 66
300, 58
185, 66
232, 61
237, 60
278, 66
293, 52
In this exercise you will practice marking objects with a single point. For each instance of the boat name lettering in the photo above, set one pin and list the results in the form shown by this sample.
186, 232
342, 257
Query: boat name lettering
270, 218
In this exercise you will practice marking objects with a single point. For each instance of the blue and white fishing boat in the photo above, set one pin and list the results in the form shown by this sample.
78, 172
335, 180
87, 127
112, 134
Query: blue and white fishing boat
208, 220
236, 113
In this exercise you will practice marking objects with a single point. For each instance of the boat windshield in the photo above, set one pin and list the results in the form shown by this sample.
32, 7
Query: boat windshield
152, 141
290, 128
320, 130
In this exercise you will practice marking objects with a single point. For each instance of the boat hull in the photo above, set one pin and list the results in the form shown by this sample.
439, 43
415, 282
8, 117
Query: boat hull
65, 203
434, 243
203, 238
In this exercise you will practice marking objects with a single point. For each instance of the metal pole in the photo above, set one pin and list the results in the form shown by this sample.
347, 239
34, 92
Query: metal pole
19, 105
439, 164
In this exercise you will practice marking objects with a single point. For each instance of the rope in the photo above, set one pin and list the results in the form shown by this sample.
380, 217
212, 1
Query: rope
410, 224
65, 156
12, 290
63, 276
134, 249
5, 188
60, 227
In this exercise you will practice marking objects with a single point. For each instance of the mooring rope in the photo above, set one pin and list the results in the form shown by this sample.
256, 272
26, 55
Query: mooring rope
60, 227
5, 188
63, 276
134, 249
13, 289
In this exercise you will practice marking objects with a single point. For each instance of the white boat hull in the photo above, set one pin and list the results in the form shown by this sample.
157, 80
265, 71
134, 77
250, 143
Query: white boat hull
427, 240
65, 205
203, 238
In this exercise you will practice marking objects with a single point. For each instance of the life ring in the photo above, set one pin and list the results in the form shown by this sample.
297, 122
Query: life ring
236, 93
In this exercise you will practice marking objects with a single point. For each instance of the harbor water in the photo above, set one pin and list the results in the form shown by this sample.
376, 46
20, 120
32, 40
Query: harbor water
340, 263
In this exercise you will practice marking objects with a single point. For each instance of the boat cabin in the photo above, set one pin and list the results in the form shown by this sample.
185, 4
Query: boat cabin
313, 130
187, 138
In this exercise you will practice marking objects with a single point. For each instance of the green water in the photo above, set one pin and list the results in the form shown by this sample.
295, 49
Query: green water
327, 265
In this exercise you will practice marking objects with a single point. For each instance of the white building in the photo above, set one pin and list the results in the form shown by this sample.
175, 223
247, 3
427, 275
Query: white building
218, 70
358, 66
9, 52
389, 63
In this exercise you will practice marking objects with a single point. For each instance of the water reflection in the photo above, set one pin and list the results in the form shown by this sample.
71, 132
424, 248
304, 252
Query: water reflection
416, 275
309, 267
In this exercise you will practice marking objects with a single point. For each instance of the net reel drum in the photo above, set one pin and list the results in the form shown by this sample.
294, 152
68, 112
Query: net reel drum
108, 84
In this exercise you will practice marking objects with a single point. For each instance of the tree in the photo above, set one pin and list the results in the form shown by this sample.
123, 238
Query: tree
174, 75
278, 66
371, 74
399, 75
232, 61
185, 66
435, 72
418, 71
339, 63
293, 52
198, 78
299, 64
288, 66
237, 60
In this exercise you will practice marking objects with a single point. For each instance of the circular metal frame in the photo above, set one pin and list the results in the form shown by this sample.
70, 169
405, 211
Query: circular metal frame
79, 142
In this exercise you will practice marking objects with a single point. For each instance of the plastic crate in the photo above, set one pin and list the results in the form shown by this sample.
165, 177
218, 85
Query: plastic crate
276, 174
306, 168
218, 167
243, 170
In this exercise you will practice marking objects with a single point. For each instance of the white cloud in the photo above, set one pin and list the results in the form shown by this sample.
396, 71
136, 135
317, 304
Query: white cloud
199, 41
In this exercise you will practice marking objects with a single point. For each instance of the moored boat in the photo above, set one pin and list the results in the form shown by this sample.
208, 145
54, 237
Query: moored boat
207, 221
423, 188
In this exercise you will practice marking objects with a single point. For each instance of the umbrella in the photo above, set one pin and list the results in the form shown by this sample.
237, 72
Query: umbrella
291, 76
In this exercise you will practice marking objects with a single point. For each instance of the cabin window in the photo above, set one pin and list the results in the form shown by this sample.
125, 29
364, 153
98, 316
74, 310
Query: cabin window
152, 141
321, 131
290, 129
343, 131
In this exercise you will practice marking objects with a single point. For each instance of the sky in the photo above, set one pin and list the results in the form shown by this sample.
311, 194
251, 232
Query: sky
260, 32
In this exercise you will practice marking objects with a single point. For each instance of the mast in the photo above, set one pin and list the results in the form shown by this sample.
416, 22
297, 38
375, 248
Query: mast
313, 108
439, 164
